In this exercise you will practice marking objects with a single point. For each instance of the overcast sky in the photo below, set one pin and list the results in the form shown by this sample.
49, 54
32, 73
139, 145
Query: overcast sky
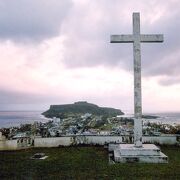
59, 51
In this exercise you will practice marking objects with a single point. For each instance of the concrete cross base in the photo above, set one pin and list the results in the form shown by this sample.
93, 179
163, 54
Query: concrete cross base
148, 153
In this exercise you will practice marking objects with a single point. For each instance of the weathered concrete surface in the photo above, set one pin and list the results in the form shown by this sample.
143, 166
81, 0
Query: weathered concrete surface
136, 38
8, 145
100, 140
148, 153
73, 140
138, 152
138, 132
52, 142
162, 140
2, 138
129, 149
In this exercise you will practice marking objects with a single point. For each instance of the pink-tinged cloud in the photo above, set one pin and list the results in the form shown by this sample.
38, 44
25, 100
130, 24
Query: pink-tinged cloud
68, 57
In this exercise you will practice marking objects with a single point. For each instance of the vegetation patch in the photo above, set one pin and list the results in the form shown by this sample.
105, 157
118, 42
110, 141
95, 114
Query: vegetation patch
83, 163
82, 107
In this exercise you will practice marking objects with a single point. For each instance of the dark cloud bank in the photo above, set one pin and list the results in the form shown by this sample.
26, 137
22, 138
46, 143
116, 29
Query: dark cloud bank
88, 38
32, 19
88, 42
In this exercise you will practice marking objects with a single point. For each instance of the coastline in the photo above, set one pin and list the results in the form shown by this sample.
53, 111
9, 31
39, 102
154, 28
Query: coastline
15, 118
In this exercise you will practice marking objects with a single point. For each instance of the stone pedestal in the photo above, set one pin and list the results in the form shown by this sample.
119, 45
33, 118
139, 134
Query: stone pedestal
148, 153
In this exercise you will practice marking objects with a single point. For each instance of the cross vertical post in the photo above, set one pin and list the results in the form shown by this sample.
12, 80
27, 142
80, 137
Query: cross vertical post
136, 38
137, 81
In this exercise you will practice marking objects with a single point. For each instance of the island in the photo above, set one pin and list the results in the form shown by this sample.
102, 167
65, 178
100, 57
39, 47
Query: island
80, 107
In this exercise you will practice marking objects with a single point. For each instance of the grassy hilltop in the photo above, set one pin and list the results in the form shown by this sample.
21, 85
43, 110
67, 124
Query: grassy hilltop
83, 163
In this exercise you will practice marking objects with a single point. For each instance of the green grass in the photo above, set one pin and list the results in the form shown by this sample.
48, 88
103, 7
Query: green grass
83, 163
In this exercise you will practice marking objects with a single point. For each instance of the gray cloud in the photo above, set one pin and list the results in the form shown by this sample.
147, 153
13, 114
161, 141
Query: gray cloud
88, 42
32, 19
7, 96
15, 100
168, 80
88, 27
88, 39
164, 59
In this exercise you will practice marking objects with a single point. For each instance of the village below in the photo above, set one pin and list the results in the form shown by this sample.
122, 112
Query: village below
56, 52
82, 139
85, 119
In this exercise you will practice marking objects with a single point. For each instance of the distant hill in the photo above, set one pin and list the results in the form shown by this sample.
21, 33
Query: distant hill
80, 107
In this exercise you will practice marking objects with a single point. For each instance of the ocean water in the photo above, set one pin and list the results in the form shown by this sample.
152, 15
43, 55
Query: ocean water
15, 118
169, 118
164, 118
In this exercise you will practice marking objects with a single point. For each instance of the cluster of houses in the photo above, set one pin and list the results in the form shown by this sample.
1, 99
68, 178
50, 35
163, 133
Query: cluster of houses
84, 124
84, 129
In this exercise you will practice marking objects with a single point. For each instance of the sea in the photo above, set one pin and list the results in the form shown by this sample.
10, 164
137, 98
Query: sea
16, 118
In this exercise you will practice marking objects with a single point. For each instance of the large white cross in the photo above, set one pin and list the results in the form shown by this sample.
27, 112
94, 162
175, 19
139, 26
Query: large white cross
136, 38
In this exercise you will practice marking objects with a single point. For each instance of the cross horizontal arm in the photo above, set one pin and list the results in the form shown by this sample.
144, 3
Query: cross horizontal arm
121, 38
151, 38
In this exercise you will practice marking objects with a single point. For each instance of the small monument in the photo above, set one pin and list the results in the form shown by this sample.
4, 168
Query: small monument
138, 152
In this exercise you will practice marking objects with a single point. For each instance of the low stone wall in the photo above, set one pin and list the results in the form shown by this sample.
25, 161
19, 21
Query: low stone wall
82, 139
74, 140
101, 140
163, 140
53, 142
8, 145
